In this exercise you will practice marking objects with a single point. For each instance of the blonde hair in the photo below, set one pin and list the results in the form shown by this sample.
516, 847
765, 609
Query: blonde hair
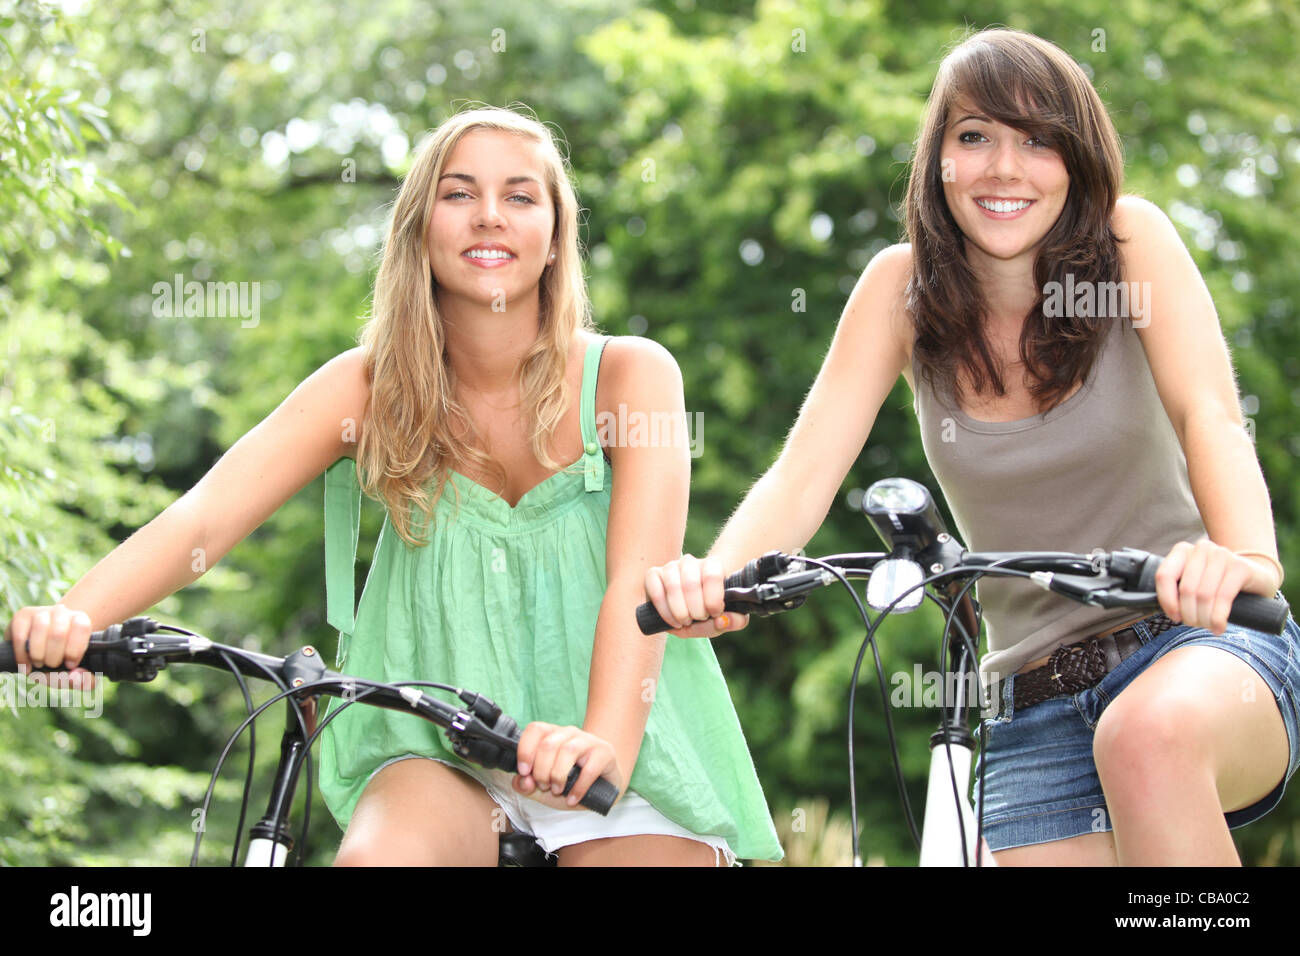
414, 429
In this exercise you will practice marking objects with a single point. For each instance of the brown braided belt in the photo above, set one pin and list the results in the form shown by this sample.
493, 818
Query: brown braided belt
1078, 666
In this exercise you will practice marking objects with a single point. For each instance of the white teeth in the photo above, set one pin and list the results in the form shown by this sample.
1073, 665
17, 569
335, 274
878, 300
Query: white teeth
488, 254
1000, 205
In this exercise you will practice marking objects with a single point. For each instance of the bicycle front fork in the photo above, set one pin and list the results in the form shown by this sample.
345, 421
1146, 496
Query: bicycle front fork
269, 840
948, 835
949, 823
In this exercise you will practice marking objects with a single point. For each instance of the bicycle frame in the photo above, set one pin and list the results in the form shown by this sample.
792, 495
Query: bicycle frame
949, 822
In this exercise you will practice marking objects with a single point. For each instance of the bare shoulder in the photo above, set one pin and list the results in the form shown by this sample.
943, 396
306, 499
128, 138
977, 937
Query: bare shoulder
1138, 221
880, 297
347, 370
894, 261
631, 366
342, 386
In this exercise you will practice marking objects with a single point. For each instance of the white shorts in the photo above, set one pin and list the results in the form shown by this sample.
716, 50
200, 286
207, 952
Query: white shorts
631, 816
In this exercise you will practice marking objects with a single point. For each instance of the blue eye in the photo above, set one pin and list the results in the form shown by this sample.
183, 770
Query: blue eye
455, 194
525, 197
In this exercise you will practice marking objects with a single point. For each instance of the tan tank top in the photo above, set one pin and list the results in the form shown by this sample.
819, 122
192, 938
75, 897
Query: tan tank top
1104, 469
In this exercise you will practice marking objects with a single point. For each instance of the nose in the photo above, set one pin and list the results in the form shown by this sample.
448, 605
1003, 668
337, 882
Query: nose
1005, 162
488, 213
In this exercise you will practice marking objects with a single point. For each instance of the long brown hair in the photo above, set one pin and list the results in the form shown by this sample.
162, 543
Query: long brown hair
415, 430
1031, 85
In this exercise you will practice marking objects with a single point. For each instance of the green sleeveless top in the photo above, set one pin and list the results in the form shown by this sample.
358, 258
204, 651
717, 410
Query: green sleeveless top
504, 601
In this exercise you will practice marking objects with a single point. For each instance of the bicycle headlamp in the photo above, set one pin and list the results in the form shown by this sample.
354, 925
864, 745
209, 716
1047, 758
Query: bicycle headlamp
903, 514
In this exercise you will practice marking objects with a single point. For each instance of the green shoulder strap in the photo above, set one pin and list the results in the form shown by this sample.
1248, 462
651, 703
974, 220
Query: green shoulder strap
592, 456
342, 529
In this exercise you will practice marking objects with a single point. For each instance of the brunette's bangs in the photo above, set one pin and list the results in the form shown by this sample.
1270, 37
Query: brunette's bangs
1025, 93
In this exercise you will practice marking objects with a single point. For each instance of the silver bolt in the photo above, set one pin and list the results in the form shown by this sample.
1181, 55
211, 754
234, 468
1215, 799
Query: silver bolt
297, 682
936, 568
944, 537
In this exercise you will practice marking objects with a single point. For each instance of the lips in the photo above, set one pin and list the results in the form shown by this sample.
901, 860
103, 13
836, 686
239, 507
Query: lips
996, 207
489, 255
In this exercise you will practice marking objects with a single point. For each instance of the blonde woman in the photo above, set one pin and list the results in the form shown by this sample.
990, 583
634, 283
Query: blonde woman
516, 538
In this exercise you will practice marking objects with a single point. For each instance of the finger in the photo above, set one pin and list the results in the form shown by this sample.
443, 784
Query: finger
594, 762
78, 638
548, 752
693, 589
1187, 585
732, 621
58, 681
713, 581
655, 593
572, 753
727, 621
678, 614
1170, 570
526, 748
36, 637
18, 631
1234, 580
1211, 584
57, 638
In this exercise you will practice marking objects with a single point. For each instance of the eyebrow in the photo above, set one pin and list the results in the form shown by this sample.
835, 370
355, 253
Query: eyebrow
975, 116
510, 181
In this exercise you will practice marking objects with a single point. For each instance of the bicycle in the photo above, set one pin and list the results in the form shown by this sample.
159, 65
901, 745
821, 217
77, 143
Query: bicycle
904, 515
137, 649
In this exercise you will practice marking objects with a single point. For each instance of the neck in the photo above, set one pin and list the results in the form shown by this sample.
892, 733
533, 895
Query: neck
1007, 284
486, 347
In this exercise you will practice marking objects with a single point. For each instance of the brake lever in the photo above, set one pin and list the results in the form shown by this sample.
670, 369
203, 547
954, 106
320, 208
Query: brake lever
784, 592
1098, 591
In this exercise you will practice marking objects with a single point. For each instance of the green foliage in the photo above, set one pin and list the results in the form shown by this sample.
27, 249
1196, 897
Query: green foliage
741, 165
45, 128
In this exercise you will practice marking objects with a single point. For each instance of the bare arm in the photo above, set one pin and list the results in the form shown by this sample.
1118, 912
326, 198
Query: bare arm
647, 521
266, 467
1193, 373
788, 504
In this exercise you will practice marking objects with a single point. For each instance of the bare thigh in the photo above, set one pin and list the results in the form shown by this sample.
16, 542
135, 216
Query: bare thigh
422, 813
641, 850
1091, 849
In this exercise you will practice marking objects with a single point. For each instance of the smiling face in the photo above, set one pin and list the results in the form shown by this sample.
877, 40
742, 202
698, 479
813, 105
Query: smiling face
490, 231
1004, 188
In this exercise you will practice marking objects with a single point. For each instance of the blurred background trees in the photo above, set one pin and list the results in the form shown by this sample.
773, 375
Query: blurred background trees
740, 163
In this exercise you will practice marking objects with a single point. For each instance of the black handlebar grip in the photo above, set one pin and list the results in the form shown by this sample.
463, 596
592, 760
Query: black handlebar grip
600, 796
648, 619
650, 622
9, 661
114, 667
1253, 611
1259, 613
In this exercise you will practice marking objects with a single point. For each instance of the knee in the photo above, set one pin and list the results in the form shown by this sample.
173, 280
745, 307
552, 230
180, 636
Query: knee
1144, 741
361, 854
388, 853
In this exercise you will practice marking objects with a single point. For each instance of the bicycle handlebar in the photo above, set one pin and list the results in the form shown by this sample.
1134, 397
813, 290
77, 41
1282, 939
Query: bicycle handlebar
134, 651
1125, 578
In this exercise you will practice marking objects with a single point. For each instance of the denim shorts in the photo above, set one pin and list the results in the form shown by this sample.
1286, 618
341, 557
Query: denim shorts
1041, 781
